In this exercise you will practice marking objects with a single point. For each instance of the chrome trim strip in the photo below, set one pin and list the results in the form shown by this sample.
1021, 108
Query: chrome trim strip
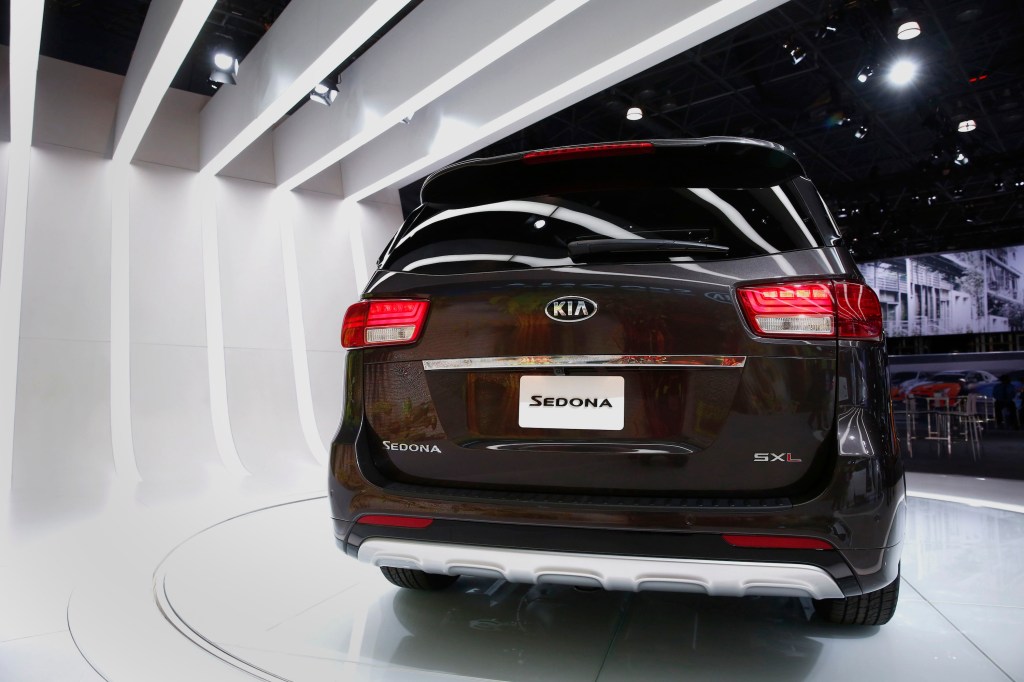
588, 361
611, 572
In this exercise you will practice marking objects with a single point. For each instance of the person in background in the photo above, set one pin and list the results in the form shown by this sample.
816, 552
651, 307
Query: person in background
1006, 410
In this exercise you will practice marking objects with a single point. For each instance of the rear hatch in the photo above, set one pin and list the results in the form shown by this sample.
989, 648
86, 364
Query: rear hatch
585, 330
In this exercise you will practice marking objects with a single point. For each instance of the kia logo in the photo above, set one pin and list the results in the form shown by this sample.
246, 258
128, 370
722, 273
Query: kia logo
570, 309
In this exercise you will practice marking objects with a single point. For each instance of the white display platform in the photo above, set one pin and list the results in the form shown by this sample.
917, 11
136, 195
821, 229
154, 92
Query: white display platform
267, 594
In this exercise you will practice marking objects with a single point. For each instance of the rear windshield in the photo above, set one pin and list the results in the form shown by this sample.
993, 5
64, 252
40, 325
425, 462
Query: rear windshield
536, 232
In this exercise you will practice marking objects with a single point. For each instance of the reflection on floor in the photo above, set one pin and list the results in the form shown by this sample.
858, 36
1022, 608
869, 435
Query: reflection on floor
267, 594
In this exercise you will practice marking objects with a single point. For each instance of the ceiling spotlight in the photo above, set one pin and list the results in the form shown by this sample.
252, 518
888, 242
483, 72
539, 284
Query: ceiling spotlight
961, 159
842, 212
908, 30
861, 132
933, 199
826, 29
866, 72
225, 68
902, 72
795, 51
999, 185
324, 92
958, 191
1018, 183
966, 126
634, 113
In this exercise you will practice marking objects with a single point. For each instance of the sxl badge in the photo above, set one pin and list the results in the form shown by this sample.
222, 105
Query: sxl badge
775, 457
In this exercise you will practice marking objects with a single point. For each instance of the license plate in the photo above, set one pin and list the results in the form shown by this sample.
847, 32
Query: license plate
558, 402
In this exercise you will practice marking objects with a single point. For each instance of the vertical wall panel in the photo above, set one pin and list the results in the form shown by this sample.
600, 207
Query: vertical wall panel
62, 425
262, 403
327, 286
4, 163
66, 291
170, 395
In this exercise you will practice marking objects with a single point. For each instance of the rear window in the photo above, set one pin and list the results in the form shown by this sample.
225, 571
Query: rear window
535, 232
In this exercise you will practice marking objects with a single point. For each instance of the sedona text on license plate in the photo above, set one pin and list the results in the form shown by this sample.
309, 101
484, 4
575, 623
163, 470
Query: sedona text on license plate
558, 402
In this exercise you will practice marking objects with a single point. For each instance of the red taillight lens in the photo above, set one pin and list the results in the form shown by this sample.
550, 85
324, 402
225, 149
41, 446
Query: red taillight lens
395, 521
859, 312
566, 153
383, 323
776, 542
822, 309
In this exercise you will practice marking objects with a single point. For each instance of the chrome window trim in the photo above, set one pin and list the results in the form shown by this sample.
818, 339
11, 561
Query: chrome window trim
675, 361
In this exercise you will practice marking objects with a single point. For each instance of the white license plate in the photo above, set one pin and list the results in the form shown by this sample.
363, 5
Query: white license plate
557, 402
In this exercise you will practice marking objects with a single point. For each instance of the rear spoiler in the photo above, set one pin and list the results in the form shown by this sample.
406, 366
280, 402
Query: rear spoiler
714, 162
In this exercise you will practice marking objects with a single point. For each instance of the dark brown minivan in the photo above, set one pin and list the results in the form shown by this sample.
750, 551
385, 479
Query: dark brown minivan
634, 366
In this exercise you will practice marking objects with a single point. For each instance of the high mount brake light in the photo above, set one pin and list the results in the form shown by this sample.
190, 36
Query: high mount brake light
812, 310
594, 150
381, 322
776, 542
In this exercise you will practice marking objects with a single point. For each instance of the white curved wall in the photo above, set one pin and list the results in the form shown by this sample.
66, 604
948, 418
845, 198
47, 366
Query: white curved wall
63, 434
171, 424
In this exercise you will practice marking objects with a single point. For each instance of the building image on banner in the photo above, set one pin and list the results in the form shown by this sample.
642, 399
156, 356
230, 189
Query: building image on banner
970, 292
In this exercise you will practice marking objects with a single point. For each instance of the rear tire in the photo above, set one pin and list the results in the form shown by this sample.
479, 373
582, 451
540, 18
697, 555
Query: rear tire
414, 579
873, 608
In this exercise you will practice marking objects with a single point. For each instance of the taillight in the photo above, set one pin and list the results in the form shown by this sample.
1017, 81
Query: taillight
383, 323
776, 542
588, 151
809, 310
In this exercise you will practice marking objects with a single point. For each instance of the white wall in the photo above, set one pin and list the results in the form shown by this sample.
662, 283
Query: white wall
63, 433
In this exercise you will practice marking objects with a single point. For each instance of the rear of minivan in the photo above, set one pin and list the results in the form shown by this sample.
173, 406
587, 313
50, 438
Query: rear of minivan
641, 365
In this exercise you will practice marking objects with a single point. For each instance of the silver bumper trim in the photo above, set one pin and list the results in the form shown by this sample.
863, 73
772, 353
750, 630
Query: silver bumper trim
588, 360
611, 572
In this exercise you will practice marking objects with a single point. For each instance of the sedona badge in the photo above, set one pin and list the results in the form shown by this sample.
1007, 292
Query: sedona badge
570, 309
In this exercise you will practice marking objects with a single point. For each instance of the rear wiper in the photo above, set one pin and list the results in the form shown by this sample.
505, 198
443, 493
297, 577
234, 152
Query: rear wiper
580, 249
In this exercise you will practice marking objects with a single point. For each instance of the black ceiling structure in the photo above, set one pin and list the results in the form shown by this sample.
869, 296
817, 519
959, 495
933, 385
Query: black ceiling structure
896, 190
788, 76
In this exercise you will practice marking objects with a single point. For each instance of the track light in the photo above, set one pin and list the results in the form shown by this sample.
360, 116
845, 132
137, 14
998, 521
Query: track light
866, 72
966, 126
999, 185
795, 51
908, 30
902, 72
1018, 183
825, 30
324, 92
961, 159
634, 113
861, 132
225, 69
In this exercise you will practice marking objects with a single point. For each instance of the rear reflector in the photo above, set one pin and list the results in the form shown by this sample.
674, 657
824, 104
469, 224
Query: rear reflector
823, 309
394, 521
566, 153
383, 323
776, 542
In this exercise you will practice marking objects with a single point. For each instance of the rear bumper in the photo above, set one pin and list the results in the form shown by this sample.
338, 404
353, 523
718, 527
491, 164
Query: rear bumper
611, 572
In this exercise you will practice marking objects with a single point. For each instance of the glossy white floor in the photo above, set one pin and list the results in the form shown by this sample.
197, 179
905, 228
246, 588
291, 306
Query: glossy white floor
164, 587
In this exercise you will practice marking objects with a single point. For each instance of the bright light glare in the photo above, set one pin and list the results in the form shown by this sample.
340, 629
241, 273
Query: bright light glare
223, 61
634, 114
902, 72
966, 126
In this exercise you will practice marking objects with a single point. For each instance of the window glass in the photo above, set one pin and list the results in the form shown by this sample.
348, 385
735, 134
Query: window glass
535, 232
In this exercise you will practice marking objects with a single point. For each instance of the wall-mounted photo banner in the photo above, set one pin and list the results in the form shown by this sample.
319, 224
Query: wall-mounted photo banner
969, 292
